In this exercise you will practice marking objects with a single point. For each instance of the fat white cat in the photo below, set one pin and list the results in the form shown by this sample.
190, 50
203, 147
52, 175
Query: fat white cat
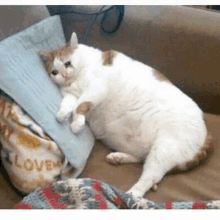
131, 107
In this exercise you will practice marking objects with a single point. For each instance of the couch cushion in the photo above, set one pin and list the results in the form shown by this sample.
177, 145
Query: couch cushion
202, 183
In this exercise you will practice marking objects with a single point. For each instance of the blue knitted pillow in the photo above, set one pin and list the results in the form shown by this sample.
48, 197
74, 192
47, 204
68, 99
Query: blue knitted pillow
22, 76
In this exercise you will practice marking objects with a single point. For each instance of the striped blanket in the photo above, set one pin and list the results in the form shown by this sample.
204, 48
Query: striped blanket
93, 194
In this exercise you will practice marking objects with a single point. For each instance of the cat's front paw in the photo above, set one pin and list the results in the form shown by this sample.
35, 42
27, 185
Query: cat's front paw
78, 124
62, 116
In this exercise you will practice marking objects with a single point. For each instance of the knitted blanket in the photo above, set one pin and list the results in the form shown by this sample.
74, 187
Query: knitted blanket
93, 194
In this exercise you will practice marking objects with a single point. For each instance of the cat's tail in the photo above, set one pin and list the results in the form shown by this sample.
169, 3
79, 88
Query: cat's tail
200, 158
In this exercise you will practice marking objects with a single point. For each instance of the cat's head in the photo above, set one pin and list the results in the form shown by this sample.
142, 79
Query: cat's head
58, 62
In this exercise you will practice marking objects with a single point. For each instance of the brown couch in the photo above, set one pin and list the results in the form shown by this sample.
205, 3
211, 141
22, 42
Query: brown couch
181, 42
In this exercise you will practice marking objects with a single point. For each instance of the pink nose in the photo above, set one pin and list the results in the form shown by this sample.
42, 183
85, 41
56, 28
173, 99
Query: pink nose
65, 76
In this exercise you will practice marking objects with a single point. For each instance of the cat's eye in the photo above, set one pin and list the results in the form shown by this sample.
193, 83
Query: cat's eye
67, 64
54, 72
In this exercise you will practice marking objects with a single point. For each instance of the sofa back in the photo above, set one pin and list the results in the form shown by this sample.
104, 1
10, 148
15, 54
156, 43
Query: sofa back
16, 18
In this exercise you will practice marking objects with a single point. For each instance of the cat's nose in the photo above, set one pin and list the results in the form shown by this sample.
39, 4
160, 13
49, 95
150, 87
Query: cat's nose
65, 76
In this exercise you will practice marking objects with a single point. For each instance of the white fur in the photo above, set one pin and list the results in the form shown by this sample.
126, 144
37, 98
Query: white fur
134, 113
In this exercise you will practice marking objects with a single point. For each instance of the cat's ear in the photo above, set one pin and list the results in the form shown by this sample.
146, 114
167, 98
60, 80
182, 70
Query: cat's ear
44, 55
73, 41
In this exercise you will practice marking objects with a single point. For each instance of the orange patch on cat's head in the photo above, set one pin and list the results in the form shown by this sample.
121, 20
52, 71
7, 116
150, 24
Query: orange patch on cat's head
48, 56
63, 52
